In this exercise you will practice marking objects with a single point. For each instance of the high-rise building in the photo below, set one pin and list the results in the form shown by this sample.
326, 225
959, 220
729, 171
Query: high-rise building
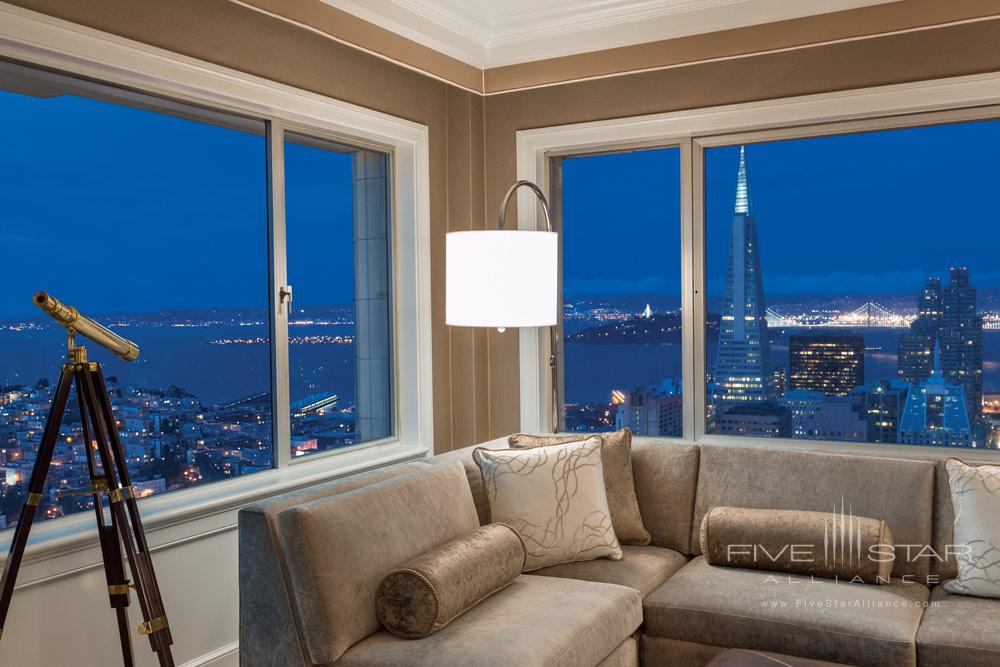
761, 420
743, 360
801, 405
935, 412
916, 347
837, 418
831, 363
961, 337
948, 317
655, 410
883, 403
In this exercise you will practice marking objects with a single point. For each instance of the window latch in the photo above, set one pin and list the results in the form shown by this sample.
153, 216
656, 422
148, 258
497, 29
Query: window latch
285, 294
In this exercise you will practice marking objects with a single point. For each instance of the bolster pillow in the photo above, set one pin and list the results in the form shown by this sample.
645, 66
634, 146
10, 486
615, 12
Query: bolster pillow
818, 544
429, 592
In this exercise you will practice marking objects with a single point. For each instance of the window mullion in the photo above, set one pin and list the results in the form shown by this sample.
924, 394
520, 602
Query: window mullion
695, 370
278, 276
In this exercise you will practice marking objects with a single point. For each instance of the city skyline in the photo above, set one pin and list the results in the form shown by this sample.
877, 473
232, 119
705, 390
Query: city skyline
933, 396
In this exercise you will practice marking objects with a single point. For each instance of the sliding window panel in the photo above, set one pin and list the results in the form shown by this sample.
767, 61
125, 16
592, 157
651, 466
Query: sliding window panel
852, 290
149, 216
621, 234
337, 211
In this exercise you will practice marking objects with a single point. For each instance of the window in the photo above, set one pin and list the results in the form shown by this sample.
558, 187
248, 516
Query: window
337, 240
622, 291
851, 287
151, 216
837, 276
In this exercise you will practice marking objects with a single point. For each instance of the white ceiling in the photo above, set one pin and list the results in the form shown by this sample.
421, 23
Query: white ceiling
488, 33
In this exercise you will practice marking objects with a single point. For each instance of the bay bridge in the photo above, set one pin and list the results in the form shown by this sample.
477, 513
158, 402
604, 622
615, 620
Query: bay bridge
871, 314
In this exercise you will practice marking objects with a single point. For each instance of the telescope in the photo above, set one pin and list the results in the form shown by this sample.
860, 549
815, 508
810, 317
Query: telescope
78, 323
110, 486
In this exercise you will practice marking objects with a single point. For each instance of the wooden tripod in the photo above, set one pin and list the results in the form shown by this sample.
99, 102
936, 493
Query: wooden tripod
112, 479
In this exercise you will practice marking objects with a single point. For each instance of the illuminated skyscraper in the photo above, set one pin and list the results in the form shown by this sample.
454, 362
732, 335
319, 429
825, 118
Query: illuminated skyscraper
961, 337
656, 410
935, 412
743, 361
949, 317
831, 363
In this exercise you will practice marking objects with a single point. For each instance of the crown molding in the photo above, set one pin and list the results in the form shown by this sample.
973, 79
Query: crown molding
498, 37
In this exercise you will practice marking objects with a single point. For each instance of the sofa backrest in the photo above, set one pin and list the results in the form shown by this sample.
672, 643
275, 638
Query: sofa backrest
339, 548
899, 491
269, 632
666, 477
472, 473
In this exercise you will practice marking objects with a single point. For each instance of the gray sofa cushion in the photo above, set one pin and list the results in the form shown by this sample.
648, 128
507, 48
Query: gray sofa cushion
269, 633
900, 492
472, 473
339, 548
959, 630
738, 657
626, 655
541, 621
857, 624
641, 568
666, 477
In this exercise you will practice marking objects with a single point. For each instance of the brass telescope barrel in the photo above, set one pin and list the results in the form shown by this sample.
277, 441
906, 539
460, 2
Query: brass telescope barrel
71, 318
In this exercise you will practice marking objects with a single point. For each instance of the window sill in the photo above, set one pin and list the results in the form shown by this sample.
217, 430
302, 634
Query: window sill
77, 533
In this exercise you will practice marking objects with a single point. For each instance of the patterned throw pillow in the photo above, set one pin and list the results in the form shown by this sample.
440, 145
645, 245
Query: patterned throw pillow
618, 481
975, 495
554, 498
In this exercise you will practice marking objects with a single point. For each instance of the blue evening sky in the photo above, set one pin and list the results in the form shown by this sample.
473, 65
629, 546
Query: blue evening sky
119, 209
859, 214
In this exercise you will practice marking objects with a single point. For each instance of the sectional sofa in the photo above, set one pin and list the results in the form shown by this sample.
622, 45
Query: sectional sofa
310, 563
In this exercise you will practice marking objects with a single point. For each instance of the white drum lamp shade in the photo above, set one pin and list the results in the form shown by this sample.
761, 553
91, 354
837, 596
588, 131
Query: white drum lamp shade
501, 279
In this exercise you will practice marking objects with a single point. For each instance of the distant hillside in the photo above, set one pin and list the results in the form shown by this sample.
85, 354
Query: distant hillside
657, 330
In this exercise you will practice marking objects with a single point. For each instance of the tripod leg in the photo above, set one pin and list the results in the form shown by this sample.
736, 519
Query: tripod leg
35, 486
114, 567
123, 508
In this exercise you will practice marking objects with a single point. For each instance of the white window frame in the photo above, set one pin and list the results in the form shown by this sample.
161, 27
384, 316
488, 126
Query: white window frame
903, 105
61, 545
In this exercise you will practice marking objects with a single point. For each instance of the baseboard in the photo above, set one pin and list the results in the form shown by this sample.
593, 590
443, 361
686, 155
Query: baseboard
224, 656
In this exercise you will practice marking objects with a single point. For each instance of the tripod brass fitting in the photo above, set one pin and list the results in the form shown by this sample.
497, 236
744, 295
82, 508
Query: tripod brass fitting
77, 323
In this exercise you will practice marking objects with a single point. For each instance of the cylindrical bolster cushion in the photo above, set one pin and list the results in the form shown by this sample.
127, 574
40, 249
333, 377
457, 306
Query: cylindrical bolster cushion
432, 590
819, 544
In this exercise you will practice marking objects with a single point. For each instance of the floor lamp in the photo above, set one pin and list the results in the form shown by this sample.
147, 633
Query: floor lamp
505, 279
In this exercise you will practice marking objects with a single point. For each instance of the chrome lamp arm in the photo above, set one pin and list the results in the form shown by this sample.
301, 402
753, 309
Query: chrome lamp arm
502, 216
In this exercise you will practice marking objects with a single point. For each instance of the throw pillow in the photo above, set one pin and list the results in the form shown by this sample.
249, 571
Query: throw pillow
554, 498
433, 589
817, 544
975, 495
618, 481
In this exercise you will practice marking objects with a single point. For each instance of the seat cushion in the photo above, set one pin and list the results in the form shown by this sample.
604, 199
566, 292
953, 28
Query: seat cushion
534, 621
857, 624
959, 630
740, 657
641, 568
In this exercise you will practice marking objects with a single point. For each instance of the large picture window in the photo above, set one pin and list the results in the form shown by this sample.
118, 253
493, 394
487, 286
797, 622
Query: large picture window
851, 287
151, 216
622, 291
837, 276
